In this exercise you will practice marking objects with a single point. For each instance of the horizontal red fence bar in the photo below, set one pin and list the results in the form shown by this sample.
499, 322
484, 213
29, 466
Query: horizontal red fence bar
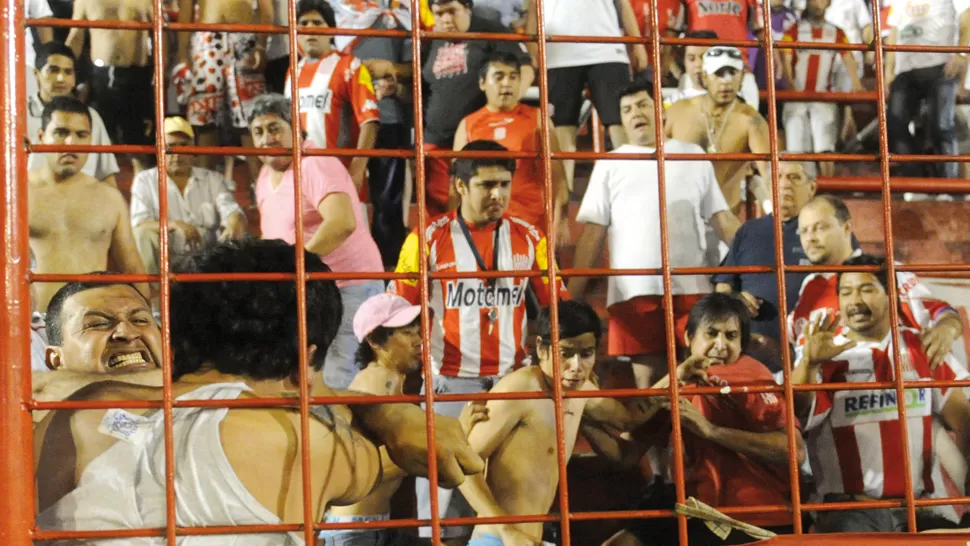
451, 522
579, 156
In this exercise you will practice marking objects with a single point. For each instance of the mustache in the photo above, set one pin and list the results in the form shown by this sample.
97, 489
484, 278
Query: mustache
859, 310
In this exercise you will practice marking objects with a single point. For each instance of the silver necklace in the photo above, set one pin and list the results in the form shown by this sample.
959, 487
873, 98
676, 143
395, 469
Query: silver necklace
713, 137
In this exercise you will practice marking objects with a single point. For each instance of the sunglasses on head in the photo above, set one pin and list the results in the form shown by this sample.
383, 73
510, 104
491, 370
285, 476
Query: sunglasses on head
718, 51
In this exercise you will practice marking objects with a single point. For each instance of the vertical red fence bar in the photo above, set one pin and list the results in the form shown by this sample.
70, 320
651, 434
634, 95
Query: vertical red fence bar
890, 261
309, 518
780, 280
164, 270
562, 458
677, 434
420, 177
16, 440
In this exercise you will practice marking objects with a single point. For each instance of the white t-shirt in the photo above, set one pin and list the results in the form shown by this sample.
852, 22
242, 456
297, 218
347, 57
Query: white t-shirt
582, 18
925, 22
35, 9
623, 194
99, 166
851, 16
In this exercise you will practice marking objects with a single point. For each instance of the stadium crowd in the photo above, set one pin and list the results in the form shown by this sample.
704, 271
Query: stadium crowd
99, 212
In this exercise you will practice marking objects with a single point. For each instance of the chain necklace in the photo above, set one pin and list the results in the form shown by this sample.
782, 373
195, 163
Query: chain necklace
713, 137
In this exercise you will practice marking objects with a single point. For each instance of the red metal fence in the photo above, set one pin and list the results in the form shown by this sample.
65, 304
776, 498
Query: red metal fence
17, 525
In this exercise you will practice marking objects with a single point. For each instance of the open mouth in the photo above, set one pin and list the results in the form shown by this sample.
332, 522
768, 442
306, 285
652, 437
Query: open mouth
122, 361
639, 124
860, 314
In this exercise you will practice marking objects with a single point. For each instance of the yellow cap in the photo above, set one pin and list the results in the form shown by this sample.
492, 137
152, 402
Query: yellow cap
176, 124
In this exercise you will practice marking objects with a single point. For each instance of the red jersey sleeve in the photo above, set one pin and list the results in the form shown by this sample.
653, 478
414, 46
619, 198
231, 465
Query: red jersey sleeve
362, 96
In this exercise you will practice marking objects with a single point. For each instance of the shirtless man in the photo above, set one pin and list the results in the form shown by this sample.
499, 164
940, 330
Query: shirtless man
720, 122
525, 430
121, 73
77, 224
389, 330
221, 71
262, 482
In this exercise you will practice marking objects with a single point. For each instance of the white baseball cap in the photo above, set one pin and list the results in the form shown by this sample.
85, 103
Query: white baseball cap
718, 57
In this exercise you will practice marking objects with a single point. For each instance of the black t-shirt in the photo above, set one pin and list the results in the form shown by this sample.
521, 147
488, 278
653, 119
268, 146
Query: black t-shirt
452, 75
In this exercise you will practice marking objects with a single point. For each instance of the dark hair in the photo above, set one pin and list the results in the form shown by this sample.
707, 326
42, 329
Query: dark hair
702, 35
365, 353
249, 328
498, 57
45, 50
320, 6
271, 104
841, 211
882, 275
65, 103
641, 84
55, 307
575, 319
466, 3
465, 168
718, 307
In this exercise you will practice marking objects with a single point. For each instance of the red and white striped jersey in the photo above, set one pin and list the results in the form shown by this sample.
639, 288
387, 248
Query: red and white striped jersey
820, 294
813, 67
336, 99
854, 438
465, 342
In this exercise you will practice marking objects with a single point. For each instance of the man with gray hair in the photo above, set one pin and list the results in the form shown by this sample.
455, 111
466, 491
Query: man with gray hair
754, 244
333, 224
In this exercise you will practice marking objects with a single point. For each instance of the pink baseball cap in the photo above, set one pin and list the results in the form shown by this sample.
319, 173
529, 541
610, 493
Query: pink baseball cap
389, 310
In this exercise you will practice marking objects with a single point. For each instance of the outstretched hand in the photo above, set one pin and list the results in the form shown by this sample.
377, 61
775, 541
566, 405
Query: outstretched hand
820, 335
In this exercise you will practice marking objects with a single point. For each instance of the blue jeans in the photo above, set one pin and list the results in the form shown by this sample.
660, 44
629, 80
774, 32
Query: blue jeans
340, 366
907, 92
370, 537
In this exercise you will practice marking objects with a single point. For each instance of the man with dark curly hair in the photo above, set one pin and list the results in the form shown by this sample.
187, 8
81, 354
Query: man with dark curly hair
232, 340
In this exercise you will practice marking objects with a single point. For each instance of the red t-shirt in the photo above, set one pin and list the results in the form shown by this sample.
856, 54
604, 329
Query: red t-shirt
517, 130
721, 477
668, 14
730, 19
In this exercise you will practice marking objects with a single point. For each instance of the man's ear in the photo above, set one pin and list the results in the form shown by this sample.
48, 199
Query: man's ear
686, 339
52, 357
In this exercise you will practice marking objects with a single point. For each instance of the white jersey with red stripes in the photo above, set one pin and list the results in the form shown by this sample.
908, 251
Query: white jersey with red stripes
820, 294
336, 99
478, 327
813, 67
854, 438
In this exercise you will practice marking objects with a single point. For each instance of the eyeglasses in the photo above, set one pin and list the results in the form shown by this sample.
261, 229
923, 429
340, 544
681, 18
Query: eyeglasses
732, 52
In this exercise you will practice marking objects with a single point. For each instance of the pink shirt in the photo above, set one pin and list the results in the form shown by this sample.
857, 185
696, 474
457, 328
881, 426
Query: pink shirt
321, 176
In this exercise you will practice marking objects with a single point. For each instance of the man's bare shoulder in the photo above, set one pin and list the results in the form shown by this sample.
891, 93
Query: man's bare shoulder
526, 379
754, 117
685, 106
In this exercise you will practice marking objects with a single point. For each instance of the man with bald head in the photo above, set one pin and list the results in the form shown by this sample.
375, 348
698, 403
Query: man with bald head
825, 231
754, 244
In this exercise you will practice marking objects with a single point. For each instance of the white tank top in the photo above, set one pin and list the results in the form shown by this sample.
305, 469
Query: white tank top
124, 488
